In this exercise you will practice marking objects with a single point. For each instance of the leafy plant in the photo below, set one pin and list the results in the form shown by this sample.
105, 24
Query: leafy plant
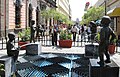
93, 14
64, 35
24, 35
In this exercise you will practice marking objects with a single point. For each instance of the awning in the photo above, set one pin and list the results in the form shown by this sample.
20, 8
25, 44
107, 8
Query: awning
114, 12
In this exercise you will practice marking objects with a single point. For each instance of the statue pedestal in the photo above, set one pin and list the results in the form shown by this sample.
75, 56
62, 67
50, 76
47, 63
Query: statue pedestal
91, 49
109, 70
6, 63
33, 49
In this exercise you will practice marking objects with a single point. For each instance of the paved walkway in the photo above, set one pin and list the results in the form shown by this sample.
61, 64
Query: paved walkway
73, 50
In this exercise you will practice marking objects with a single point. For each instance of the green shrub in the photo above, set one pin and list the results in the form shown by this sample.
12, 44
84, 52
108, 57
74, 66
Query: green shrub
24, 35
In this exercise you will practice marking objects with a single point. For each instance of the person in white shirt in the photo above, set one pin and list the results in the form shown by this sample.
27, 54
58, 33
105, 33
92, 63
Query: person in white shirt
88, 33
74, 31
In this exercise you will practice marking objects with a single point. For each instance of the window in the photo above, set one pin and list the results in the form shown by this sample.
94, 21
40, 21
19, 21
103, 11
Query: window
18, 13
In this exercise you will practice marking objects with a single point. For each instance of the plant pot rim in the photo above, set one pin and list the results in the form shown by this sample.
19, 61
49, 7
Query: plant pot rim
66, 39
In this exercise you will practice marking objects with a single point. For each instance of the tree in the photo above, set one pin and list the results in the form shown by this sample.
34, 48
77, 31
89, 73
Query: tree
52, 13
93, 14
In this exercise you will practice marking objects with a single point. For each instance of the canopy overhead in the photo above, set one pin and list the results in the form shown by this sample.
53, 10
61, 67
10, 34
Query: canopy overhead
114, 12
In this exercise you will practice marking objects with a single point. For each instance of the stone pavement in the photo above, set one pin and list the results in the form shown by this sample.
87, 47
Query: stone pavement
74, 50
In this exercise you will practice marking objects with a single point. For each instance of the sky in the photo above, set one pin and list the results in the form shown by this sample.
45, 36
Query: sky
77, 7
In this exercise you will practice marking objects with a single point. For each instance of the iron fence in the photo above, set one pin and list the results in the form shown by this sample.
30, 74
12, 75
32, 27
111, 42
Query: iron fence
46, 40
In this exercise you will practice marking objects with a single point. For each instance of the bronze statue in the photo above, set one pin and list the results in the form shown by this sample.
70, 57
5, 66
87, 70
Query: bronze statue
32, 31
105, 40
11, 50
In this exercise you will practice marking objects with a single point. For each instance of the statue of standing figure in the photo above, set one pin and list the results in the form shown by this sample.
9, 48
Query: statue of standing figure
105, 34
12, 51
32, 28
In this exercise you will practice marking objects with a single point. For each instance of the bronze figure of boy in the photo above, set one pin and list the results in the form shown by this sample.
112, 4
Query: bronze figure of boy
105, 34
11, 50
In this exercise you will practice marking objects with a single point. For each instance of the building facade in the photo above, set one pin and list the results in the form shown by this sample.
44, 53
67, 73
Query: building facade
16, 15
112, 8
63, 6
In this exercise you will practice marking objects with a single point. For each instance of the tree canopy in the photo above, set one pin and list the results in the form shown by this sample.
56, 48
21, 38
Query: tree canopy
52, 13
93, 14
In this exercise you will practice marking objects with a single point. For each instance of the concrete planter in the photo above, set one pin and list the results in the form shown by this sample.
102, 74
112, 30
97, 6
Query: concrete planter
33, 49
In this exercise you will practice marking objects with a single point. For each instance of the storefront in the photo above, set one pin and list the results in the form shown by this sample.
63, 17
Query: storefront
115, 15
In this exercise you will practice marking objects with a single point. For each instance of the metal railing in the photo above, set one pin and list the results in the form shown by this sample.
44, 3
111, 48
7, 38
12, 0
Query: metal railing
46, 40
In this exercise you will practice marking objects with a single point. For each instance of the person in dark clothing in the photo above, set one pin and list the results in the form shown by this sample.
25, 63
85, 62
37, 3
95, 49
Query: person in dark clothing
93, 29
54, 35
105, 34
32, 31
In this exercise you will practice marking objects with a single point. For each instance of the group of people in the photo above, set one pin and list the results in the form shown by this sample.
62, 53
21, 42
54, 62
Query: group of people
84, 31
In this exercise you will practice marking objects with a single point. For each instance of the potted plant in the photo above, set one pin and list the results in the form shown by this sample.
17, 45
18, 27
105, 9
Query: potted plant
2, 70
65, 39
111, 47
24, 38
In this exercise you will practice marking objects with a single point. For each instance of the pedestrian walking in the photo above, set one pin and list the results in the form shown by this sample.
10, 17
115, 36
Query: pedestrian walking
54, 35
89, 33
82, 33
93, 28
74, 32
105, 34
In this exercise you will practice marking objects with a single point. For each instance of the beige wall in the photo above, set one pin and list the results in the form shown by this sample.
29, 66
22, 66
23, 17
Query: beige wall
11, 15
63, 7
